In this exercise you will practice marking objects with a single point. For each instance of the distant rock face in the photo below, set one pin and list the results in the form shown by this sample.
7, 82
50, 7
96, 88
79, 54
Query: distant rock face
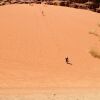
78, 5
2, 3
16, 1
98, 10
93, 5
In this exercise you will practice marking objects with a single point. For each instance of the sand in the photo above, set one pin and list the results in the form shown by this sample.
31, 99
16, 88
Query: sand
33, 48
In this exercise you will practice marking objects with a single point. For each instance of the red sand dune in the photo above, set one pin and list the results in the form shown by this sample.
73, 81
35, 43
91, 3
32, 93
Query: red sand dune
33, 47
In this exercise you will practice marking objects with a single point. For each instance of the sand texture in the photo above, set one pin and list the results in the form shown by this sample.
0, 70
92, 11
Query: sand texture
34, 44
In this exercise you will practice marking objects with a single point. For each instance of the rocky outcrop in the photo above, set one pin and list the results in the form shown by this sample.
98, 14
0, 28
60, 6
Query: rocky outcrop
79, 6
98, 10
93, 5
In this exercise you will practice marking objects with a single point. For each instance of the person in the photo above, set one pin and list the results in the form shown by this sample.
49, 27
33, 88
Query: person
67, 60
42, 12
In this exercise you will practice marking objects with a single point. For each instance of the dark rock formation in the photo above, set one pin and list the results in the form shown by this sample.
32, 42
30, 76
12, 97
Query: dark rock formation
98, 10
80, 4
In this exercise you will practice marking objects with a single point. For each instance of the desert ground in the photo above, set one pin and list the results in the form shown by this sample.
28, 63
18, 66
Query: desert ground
33, 48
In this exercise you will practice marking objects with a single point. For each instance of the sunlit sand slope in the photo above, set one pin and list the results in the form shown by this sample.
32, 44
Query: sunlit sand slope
33, 47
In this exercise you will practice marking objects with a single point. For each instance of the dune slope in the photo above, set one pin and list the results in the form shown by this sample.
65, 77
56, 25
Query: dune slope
33, 47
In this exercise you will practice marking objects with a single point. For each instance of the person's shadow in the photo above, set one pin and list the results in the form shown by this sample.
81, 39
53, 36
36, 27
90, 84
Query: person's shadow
69, 63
